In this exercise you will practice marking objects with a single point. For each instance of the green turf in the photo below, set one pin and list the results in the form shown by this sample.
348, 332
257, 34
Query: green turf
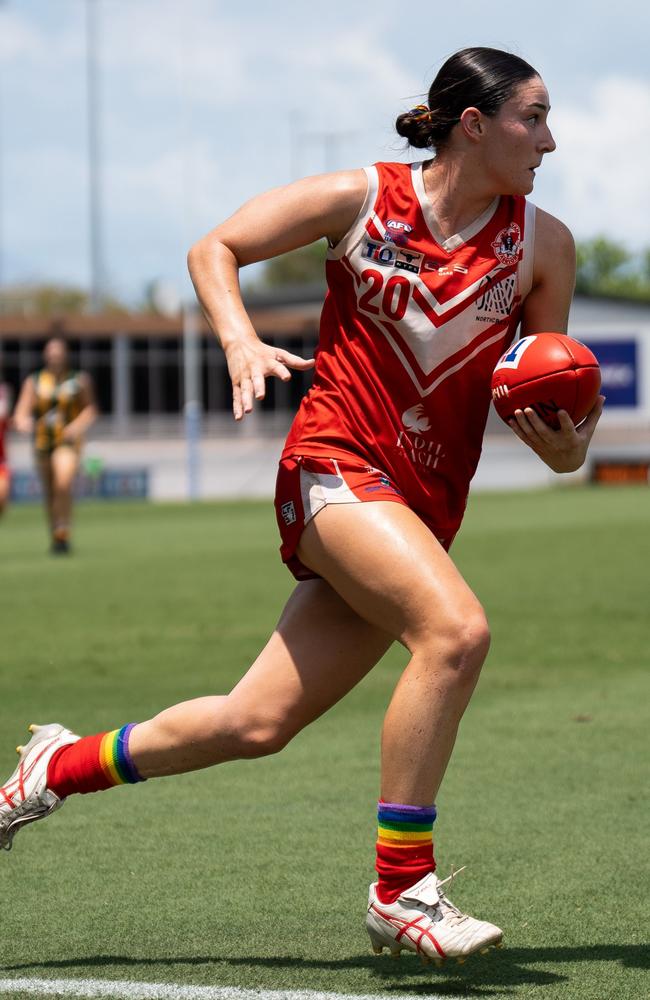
255, 874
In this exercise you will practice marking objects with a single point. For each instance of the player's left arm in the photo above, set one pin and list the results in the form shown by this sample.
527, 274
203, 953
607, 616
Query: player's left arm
88, 414
546, 310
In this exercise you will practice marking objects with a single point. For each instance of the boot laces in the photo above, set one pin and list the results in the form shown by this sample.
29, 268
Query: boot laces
447, 907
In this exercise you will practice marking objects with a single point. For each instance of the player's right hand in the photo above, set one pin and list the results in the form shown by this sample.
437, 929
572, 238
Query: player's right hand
250, 362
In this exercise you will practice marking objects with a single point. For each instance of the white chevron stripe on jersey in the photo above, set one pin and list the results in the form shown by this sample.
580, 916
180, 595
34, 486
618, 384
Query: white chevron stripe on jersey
440, 308
486, 339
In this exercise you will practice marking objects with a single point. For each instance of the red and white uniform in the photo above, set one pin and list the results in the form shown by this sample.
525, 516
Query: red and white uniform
411, 330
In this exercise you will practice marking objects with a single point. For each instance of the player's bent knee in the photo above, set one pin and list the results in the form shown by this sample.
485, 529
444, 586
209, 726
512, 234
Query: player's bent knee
461, 643
471, 644
262, 740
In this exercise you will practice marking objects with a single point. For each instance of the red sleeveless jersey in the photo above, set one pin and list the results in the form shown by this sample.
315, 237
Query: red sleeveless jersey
411, 329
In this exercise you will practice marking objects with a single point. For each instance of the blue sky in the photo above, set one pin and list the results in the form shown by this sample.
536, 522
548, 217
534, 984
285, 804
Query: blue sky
204, 103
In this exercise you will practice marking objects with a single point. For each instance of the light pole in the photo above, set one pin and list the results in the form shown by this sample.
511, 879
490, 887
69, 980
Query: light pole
2, 242
192, 341
94, 204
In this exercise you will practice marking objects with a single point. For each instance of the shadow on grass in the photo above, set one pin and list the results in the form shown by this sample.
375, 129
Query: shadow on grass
511, 967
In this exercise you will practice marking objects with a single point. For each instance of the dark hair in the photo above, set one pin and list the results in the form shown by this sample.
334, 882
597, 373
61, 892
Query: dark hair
472, 78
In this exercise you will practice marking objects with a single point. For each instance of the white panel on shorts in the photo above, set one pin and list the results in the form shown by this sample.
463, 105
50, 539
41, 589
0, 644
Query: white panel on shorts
317, 489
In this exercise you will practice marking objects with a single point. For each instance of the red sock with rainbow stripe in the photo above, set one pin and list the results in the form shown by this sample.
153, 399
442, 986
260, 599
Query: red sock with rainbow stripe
93, 764
404, 847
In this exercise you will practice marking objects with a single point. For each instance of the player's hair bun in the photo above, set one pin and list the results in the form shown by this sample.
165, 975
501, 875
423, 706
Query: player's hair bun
416, 127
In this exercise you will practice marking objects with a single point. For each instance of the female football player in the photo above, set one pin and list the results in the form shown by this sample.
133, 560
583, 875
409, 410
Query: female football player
57, 406
431, 268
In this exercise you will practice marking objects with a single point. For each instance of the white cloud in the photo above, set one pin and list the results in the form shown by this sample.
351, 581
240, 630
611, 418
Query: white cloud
197, 97
19, 38
598, 177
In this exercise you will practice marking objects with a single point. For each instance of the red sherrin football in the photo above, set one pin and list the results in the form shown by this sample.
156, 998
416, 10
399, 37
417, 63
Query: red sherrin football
549, 372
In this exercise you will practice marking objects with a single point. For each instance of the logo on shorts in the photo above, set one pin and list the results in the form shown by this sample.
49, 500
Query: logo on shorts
288, 511
507, 245
384, 484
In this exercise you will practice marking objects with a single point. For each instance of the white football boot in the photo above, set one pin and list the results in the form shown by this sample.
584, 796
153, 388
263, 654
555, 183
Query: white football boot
25, 797
423, 920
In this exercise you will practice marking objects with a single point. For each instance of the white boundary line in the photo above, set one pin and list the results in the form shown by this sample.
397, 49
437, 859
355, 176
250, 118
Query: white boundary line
133, 990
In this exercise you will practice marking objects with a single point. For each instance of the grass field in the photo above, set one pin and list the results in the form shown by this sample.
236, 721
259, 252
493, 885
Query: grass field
255, 875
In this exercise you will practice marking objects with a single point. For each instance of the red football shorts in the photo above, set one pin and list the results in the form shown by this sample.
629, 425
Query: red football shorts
306, 485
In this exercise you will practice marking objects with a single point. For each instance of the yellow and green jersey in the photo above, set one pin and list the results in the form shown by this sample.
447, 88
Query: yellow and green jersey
57, 404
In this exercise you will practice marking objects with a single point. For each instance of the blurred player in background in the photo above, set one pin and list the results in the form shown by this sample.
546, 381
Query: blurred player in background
57, 406
5, 475
431, 268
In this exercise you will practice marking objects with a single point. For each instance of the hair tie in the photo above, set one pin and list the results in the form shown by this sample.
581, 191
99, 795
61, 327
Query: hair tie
420, 112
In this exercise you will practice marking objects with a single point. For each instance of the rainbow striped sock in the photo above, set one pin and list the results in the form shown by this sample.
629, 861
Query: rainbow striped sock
404, 847
93, 764
114, 757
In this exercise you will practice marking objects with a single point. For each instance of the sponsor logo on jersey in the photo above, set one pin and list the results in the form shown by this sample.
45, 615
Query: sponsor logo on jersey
379, 253
415, 419
445, 269
409, 261
398, 231
495, 301
507, 245
288, 511
414, 444
419, 450
388, 255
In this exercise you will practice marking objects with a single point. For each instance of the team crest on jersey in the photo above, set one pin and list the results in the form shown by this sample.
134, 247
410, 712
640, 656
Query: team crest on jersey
398, 231
507, 245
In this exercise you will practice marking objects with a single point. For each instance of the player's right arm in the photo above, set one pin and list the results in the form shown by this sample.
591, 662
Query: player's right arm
269, 225
23, 419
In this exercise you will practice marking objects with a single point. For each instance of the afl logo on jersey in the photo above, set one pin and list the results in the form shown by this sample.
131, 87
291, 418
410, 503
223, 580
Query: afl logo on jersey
507, 245
398, 231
